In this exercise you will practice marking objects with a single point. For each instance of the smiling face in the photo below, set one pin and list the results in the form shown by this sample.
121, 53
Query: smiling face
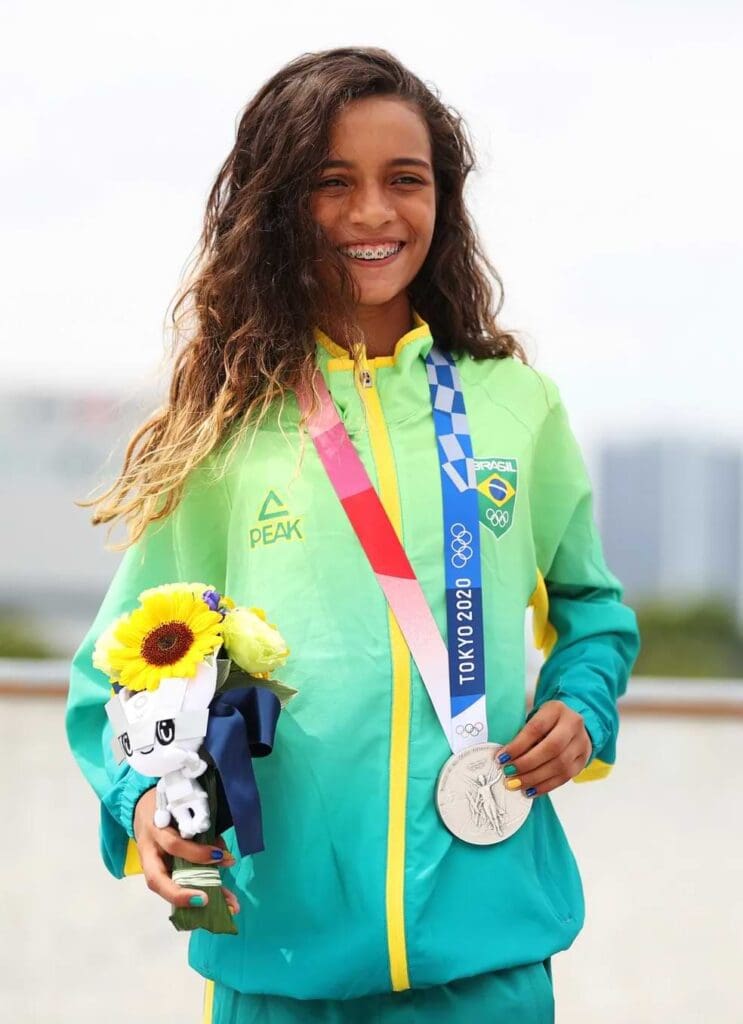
375, 196
153, 729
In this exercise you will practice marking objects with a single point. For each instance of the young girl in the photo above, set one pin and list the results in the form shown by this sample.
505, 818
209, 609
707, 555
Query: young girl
337, 243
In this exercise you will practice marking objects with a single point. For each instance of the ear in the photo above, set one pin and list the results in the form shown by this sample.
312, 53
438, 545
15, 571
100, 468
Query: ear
200, 689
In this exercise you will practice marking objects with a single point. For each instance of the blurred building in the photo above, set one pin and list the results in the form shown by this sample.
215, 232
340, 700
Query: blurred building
670, 515
55, 449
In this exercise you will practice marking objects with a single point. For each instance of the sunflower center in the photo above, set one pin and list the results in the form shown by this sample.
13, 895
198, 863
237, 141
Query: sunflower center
167, 643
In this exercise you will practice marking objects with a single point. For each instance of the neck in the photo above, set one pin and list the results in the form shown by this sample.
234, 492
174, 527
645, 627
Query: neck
384, 325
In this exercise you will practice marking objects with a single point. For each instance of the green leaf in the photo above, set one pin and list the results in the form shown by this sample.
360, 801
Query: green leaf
237, 678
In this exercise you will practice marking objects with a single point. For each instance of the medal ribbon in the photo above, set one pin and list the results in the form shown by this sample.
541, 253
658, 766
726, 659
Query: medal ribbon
465, 633
455, 684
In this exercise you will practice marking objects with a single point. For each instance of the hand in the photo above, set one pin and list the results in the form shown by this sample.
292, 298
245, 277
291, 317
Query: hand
551, 749
157, 847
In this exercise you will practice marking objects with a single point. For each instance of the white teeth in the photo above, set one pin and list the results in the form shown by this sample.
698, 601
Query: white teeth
371, 252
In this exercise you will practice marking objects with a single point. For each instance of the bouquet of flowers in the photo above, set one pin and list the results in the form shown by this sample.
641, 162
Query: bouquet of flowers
193, 699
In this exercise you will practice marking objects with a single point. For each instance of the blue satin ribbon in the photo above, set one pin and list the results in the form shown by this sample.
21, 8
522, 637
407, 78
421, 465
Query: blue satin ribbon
242, 725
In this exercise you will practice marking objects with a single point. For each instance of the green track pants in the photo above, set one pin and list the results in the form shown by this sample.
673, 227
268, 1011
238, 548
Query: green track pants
522, 995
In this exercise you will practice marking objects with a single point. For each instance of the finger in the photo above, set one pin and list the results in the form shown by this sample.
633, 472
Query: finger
196, 853
233, 904
229, 857
552, 745
159, 881
550, 784
568, 763
547, 786
544, 787
552, 770
535, 729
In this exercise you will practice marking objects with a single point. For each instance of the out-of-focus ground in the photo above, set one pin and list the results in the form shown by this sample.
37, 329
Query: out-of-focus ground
660, 844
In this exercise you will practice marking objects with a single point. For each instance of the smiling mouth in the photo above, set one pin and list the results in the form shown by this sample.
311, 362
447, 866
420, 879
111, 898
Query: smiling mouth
148, 750
372, 253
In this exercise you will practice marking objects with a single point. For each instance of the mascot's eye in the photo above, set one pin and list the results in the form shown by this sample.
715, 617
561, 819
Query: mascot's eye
126, 743
165, 731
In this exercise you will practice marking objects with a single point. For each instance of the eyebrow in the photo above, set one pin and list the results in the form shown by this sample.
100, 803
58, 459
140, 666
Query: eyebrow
398, 161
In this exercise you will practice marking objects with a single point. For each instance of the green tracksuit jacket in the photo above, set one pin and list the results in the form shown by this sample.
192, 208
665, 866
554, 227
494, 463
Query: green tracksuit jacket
361, 889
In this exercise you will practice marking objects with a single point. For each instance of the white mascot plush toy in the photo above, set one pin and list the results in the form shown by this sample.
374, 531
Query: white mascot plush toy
159, 733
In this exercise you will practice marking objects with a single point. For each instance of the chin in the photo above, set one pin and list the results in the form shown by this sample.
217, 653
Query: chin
380, 296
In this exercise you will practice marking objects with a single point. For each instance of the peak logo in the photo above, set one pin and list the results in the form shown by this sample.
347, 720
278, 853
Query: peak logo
272, 508
275, 523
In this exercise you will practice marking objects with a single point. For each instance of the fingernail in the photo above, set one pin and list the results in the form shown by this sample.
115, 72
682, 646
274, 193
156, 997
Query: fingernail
513, 783
503, 758
217, 854
510, 769
531, 791
231, 910
196, 901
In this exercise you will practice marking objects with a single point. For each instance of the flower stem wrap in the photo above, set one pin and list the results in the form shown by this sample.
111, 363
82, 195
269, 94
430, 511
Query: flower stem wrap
242, 725
215, 917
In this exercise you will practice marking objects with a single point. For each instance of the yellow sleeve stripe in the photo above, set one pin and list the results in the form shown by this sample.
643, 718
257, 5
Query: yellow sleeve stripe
596, 770
132, 863
545, 638
208, 1003
545, 634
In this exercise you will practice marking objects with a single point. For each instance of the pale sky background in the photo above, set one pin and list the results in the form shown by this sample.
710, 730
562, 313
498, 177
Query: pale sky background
608, 193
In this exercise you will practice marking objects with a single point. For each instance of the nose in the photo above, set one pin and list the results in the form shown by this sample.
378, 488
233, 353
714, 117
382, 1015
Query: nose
370, 206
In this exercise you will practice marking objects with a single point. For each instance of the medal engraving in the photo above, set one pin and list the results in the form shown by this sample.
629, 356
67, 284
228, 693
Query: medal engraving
472, 799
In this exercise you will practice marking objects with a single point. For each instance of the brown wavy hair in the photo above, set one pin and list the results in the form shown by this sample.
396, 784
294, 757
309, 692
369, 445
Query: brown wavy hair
243, 319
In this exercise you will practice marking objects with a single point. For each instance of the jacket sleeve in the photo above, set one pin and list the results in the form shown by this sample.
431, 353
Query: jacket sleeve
189, 546
589, 637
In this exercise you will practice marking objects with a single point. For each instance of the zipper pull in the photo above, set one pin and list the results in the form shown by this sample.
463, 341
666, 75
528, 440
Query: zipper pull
365, 377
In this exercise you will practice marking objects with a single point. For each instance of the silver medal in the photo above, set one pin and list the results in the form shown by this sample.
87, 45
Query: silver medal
472, 799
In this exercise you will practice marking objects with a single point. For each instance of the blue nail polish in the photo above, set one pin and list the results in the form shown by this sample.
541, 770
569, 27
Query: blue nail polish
503, 758
217, 855
531, 791
196, 901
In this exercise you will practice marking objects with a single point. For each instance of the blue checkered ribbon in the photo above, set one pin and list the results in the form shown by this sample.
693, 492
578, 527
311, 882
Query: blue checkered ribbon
465, 634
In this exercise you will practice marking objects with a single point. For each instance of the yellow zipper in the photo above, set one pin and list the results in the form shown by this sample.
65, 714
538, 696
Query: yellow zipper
401, 680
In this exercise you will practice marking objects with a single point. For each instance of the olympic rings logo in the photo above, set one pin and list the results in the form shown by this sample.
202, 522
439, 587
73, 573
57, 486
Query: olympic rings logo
460, 545
469, 729
498, 516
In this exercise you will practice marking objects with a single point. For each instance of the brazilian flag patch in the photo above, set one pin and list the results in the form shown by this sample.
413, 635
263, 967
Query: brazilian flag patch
497, 482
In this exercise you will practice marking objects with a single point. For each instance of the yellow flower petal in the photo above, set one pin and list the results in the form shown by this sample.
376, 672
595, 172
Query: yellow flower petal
201, 621
146, 652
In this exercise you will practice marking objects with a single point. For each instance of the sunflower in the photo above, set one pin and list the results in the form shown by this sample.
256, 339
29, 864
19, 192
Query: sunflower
169, 635
104, 643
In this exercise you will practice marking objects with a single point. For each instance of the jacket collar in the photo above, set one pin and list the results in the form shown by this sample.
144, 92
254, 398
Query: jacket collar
415, 344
